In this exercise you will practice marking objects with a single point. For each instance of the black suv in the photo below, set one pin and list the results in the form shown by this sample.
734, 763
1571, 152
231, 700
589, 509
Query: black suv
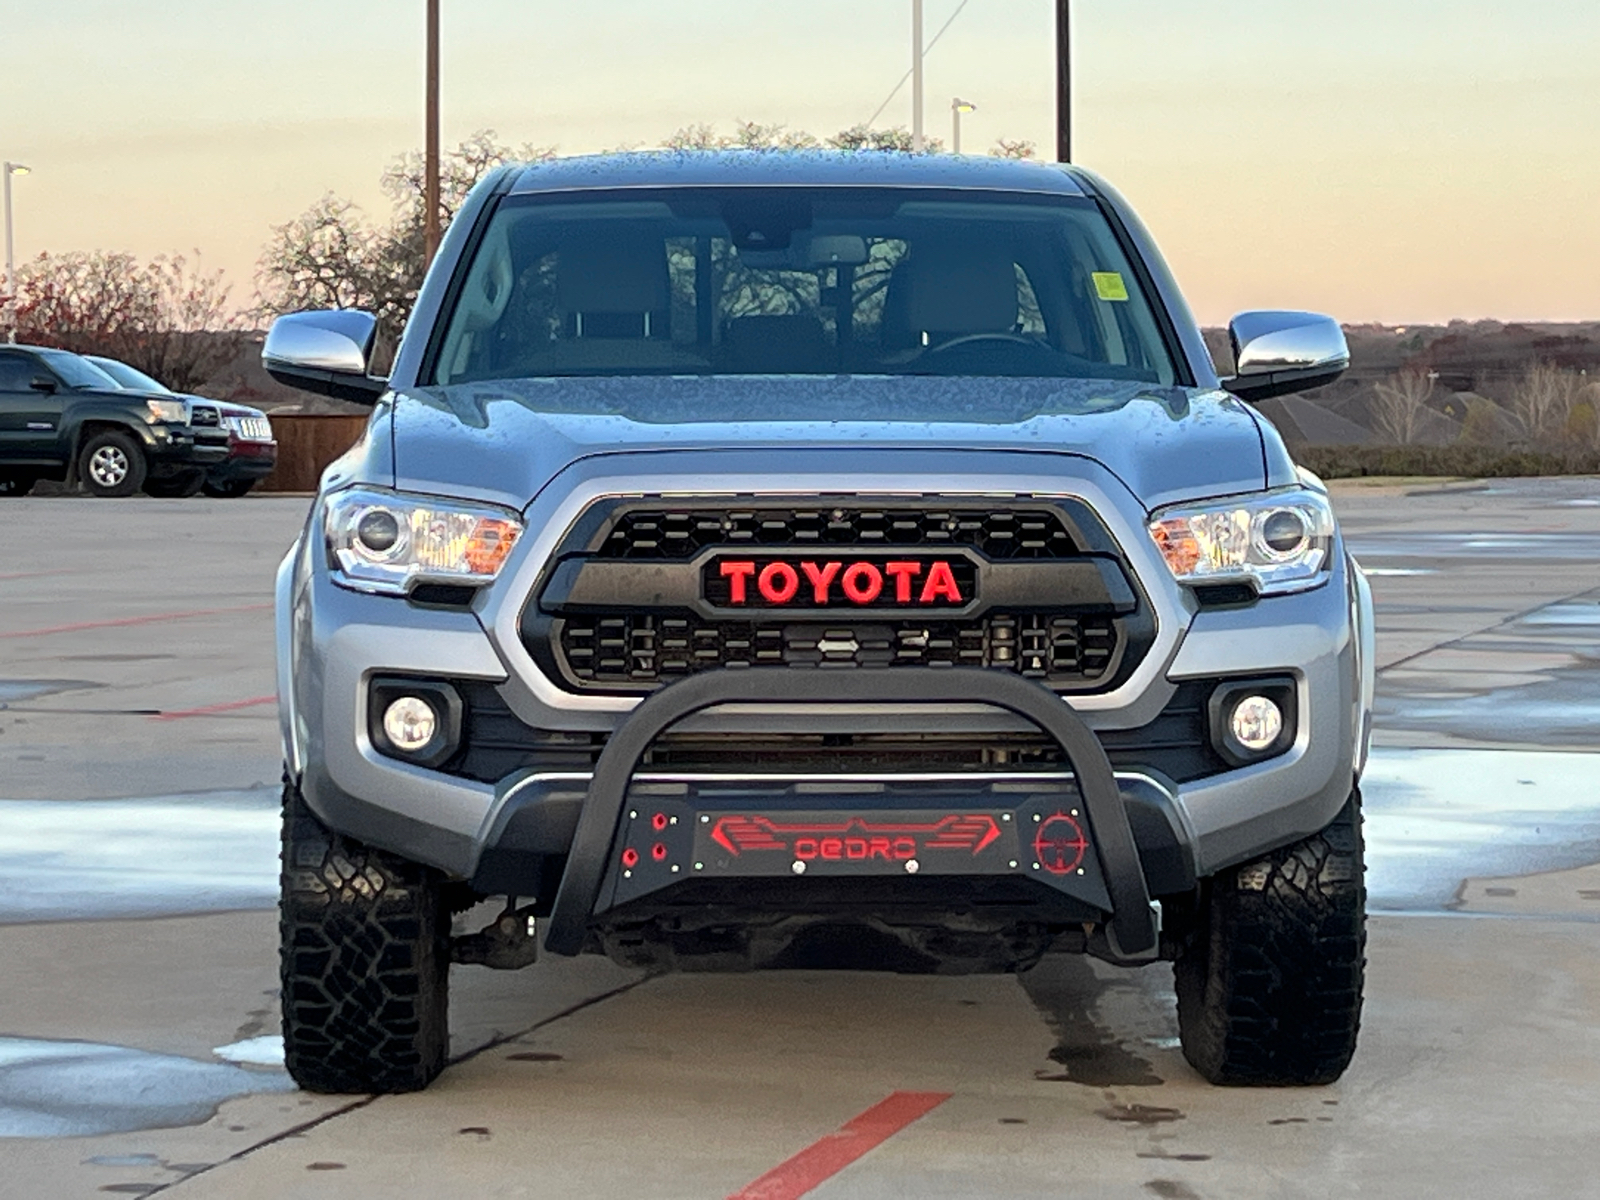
63, 418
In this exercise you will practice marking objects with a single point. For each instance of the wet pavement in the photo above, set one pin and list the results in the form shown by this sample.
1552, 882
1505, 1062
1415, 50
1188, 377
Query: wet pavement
138, 784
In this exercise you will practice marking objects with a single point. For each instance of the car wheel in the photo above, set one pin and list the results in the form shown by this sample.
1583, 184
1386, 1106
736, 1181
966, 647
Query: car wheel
365, 962
1269, 979
110, 464
16, 485
179, 487
230, 490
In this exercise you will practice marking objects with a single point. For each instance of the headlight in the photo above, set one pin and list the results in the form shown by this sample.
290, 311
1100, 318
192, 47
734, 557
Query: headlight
1280, 541
167, 412
386, 541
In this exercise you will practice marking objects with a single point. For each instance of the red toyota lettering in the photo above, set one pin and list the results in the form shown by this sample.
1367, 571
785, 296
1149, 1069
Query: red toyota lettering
862, 582
778, 583
821, 578
941, 584
736, 573
902, 573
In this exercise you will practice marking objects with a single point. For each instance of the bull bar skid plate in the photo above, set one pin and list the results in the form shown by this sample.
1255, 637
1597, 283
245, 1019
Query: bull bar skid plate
1132, 931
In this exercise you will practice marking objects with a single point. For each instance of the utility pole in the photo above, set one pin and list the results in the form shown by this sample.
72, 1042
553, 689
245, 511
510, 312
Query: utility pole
1064, 81
430, 154
9, 169
916, 76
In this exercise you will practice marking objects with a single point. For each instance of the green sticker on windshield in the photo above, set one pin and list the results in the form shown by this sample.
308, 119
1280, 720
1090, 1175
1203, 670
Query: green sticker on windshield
1109, 285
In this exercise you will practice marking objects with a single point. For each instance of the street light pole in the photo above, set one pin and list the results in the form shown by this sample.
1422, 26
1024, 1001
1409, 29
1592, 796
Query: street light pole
430, 155
8, 170
957, 107
1064, 81
916, 76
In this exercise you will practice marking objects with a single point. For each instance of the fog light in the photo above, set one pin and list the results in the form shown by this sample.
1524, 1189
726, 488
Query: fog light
410, 723
1256, 723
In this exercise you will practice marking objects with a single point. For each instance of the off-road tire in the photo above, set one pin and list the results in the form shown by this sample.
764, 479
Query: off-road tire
117, 447
233, 489
1269, 979
364, 963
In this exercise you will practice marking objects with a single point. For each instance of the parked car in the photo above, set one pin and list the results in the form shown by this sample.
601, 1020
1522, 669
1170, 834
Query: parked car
781, 560
64, 418
252, 450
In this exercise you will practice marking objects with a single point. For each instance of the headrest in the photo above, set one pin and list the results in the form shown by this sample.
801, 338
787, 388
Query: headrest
616, 275
956, 288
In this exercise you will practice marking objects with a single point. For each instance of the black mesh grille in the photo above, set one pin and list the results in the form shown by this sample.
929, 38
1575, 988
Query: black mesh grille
646, 650
999, 533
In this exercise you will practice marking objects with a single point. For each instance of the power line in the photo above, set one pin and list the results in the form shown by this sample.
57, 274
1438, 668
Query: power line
931, 44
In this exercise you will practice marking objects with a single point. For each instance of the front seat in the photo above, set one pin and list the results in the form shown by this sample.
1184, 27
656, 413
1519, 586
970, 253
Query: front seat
946, 290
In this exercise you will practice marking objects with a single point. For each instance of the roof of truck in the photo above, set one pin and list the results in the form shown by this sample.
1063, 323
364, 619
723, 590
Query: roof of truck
796, 168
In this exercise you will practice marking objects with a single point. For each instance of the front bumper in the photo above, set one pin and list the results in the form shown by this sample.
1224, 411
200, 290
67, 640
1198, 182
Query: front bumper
502, 835
246, 460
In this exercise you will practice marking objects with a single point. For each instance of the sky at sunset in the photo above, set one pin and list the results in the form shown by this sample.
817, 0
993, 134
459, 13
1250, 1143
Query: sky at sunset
1402, 161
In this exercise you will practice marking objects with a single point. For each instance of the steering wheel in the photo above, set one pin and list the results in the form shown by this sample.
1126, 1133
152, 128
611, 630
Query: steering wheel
968, 339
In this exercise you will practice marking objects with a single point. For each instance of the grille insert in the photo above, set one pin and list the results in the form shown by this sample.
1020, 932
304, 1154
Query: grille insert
999, 533
645, 650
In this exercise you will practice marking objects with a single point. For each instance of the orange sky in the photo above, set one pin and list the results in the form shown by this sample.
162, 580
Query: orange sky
1388, 161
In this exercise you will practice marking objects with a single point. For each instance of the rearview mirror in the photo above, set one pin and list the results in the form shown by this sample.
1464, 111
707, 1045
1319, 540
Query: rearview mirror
1276, 353
324, 352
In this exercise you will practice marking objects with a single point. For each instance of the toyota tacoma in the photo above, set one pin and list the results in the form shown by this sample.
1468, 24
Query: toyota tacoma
817, 560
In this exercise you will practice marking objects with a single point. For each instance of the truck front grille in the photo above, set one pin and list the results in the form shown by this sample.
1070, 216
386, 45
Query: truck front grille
646, 649
998, 533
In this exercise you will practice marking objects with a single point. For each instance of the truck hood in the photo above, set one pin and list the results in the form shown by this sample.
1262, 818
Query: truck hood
504, 440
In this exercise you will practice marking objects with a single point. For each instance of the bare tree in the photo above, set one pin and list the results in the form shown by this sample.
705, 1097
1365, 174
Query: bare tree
333, 256
169, 317
1543, 401
1013, 148
1398, 405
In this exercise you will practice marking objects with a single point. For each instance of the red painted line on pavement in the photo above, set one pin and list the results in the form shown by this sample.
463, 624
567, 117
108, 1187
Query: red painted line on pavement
829, 1155
122, 621
209, 709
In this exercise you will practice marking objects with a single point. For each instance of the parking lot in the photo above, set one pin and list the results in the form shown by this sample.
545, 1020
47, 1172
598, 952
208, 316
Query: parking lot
138, 821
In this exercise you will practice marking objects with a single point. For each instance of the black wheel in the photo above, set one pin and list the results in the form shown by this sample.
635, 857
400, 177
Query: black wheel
176, 487
16, 485
365, 962
1269, 980
110, 464
230, 490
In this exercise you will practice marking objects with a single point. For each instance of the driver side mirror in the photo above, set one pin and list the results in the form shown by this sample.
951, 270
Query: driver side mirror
1277, 353
43, 383
325, 352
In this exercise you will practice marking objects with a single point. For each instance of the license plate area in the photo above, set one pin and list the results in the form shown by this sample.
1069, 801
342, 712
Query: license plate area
667, 840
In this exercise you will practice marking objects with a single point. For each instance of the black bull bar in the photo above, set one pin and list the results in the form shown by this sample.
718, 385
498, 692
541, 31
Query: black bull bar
1132, 930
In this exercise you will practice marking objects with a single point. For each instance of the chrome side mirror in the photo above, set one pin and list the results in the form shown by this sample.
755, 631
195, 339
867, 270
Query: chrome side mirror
324, 352
1276, 353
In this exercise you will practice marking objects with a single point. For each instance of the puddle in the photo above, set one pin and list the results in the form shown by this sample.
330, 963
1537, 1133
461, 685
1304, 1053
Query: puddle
1568, 613
1560, 708
79, 1089
73, 860
1580, 547
1437, 817
1069, 994
264, 1051
12, 690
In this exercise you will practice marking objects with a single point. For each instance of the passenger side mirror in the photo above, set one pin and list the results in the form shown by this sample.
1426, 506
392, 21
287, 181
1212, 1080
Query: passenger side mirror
324, 352
1277, 353
43, 383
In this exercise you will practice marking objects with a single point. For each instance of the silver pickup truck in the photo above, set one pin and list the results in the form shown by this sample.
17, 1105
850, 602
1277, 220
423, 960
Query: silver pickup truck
767, 560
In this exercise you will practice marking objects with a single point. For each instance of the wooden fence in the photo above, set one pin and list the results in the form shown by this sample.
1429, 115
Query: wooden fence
307, 443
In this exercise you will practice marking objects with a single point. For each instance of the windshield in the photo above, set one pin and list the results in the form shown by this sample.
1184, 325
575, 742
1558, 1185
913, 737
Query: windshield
783, 281
77, 371
126, 376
